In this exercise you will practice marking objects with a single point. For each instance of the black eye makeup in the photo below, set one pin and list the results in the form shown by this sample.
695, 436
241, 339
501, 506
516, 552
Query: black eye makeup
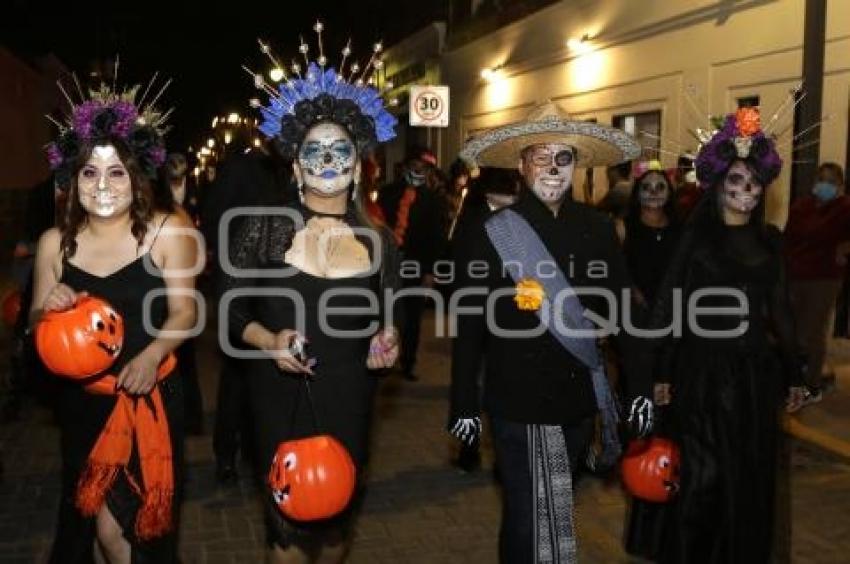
563, 158
736, 179
653, 186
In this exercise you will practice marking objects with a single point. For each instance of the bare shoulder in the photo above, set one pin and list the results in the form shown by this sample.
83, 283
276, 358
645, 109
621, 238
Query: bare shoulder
170, 234
48, 253
49, 243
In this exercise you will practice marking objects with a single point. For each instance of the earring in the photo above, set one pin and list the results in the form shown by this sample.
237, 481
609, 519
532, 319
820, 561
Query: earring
301, 192
354, 188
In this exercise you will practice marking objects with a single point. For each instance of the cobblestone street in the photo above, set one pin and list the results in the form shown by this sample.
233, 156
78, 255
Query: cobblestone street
418, 509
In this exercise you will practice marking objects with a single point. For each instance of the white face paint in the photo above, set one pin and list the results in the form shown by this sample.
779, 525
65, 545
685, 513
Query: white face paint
327, 160
653, 191
103, 184
741, 190
548, 170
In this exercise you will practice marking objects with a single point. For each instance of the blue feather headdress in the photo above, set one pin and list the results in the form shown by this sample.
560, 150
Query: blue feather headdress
324, 94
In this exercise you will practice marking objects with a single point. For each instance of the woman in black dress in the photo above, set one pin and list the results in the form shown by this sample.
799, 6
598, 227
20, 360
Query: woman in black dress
299, 269
111, 244
728, 372
651, 234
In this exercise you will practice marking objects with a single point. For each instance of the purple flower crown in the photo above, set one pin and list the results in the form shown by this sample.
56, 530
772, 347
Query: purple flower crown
739, 137
107, 115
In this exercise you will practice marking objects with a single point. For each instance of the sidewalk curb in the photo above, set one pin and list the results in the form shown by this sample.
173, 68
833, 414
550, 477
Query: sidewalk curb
797, 429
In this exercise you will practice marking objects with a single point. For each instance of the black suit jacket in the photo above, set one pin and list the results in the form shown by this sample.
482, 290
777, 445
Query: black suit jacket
534, 379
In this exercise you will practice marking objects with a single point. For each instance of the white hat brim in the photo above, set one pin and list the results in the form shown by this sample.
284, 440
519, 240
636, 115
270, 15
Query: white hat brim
595, 144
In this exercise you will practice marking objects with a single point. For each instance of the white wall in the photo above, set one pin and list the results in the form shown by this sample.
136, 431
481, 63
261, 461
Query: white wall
646, 54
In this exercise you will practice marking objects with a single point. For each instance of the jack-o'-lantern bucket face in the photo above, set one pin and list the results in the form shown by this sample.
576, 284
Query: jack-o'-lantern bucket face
312, 478
82, 341
650, 469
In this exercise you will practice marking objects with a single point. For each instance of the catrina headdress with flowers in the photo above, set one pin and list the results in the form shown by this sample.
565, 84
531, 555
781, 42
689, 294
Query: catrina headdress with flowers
345, 96
104, 114
738, 136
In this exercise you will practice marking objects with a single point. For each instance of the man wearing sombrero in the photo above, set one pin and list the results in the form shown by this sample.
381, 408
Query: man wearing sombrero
544, 377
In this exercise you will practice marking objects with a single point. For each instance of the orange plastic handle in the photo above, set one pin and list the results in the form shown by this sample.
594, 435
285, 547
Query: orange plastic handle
106, 384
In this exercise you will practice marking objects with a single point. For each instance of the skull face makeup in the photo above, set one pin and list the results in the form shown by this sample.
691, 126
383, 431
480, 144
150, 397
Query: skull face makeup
327, 160
653, 191
104, 187
548, 170
741, 190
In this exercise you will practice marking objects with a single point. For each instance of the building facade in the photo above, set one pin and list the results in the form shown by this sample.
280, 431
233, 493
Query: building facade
654, 67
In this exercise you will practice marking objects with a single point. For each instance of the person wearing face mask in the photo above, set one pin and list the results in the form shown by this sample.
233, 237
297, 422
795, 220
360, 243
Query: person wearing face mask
415, 212
121, 451
304, 275
735, 359
544, 381
818, 242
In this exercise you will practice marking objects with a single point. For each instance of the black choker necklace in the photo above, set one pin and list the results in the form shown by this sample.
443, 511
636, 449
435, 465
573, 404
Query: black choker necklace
311, 211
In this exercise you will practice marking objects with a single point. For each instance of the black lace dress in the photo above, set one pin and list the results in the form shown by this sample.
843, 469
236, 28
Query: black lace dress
648, 251
727, 395
342, 389
82, 416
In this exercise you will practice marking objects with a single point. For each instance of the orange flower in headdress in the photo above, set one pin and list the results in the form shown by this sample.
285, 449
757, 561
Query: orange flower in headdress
529, 294
748, 120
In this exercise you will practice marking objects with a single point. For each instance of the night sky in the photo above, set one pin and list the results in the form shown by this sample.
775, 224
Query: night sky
201, 45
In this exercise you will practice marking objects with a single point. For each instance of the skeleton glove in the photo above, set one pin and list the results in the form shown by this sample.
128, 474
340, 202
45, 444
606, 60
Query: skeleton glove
641, 417
467, 430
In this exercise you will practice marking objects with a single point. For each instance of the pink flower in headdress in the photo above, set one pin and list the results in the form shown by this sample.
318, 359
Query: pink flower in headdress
54, 156
84, 116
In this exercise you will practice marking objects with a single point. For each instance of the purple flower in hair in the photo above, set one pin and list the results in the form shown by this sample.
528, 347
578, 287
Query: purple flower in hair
127, 116
84, 116
157, 155
54, 156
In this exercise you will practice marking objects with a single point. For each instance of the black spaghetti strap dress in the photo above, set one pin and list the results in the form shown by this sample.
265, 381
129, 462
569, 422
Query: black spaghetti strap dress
342, 389
82, 416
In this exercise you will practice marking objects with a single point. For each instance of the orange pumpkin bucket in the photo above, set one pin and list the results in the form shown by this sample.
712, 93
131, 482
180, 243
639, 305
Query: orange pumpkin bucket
82, 341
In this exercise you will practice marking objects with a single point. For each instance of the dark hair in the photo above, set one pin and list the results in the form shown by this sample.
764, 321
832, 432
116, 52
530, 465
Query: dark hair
325, 108
634, 198
834, 168
457, 169
74, 216
622, 170
175, 166
493, 180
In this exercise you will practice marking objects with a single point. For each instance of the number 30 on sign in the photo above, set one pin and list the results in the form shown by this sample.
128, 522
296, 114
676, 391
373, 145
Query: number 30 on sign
429, 106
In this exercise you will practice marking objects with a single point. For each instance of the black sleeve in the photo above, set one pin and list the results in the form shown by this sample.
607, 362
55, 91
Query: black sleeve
782, 318
391, 276
247, 250
468, 347
637, 381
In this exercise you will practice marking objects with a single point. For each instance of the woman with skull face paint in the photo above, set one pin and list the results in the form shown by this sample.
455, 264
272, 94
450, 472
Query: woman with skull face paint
119, 501
651, 234
728, 373
326, 253
650, 230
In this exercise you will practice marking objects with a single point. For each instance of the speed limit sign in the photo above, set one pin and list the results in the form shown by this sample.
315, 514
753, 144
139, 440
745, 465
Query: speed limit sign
429, 106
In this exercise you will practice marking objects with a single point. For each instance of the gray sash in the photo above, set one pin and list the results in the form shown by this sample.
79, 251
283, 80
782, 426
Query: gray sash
516, 242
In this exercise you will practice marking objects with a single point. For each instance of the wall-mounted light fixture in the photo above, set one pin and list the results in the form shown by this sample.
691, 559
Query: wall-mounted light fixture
491, 73
580, 45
